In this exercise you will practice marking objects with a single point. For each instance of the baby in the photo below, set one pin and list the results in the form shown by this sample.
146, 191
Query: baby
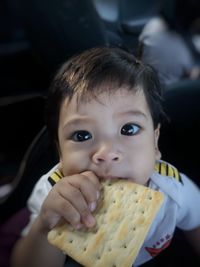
104, 112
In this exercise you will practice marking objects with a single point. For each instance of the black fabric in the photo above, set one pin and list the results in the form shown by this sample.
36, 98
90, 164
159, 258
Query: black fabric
59, 29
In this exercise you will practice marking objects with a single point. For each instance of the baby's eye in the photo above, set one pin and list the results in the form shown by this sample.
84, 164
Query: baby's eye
81, 136
130, 129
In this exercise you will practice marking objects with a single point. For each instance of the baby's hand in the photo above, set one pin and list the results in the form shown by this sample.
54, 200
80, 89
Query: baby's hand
73, 199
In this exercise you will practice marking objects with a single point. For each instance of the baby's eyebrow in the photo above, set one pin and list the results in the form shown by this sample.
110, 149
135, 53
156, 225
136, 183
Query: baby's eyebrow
77, 121
136, 113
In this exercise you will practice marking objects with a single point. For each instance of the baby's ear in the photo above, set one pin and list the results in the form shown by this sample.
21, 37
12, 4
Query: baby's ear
156, 138
158, 154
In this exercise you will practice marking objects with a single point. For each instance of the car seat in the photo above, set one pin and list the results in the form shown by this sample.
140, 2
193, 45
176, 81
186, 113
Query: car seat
179, 142
59, 29
125, 19
39, 157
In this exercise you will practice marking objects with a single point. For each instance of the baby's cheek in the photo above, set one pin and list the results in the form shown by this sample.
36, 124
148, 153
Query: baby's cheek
142, 171
74, 163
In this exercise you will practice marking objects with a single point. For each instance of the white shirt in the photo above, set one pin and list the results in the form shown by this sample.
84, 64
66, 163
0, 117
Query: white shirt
181, 208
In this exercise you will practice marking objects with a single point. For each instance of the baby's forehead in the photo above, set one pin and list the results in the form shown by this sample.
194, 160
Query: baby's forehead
119, 100
103, 94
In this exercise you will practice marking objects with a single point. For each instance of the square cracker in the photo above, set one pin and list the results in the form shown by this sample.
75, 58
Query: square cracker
124, 216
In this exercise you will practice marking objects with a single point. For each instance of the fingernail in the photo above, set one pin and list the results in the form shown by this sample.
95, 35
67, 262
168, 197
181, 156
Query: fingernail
92, 206
98, 195
54, 220
78, 226
90, 221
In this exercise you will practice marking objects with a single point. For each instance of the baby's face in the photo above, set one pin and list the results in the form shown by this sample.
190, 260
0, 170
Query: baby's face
112, 136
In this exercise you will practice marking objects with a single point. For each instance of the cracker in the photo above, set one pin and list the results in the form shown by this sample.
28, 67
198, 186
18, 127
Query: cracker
124, 216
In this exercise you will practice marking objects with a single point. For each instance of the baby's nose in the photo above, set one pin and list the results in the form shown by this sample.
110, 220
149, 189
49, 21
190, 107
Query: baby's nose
106, 155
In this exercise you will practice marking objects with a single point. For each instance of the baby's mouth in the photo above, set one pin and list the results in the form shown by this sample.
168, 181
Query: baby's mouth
106, 175
110, 177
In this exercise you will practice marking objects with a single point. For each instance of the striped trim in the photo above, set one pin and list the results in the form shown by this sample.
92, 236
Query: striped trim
165, 169
55, 177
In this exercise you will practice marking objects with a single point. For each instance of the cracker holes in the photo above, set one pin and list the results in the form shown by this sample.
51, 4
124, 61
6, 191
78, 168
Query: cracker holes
110, 249
121, 188
124, 246
133, 228
84, 249
98, 257
150, 198
71, 241
136, 201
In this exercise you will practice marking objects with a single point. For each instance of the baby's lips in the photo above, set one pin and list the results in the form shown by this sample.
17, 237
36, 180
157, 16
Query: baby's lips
113, 178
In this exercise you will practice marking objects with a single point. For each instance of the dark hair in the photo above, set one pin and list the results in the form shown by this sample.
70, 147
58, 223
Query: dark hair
101, 69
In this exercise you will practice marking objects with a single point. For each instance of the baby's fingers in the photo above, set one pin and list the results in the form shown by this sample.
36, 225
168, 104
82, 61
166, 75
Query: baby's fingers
89, 187
78, 203
60, 208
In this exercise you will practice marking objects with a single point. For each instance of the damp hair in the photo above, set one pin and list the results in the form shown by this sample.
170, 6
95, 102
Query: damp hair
100, 70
